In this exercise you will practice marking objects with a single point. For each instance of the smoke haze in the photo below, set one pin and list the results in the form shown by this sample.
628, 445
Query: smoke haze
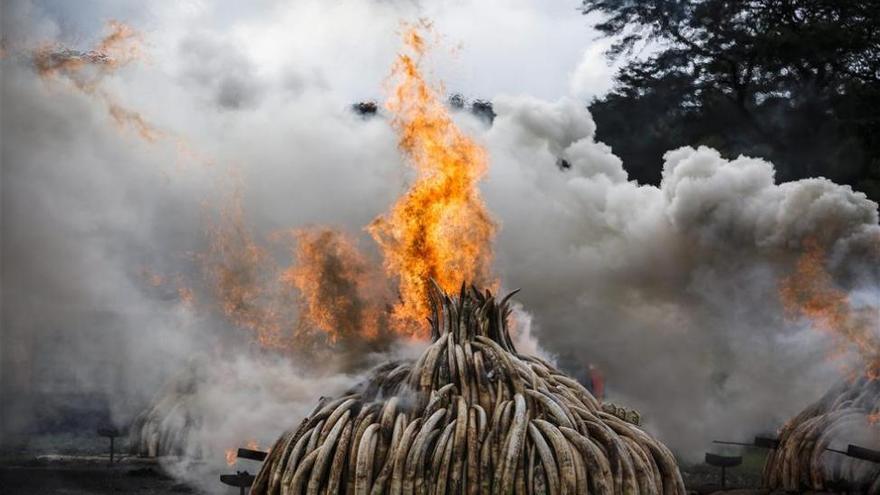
671, 290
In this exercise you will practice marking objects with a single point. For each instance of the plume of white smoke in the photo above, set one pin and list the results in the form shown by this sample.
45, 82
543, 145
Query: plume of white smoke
88, 211
217, 406
671, 289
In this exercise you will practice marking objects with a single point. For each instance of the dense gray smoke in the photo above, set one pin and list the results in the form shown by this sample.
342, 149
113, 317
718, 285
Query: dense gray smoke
670, 290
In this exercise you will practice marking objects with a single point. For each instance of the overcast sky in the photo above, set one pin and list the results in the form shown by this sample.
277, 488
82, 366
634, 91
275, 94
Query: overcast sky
488, 47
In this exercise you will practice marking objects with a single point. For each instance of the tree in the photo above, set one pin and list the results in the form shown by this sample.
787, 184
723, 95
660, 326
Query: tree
793, 81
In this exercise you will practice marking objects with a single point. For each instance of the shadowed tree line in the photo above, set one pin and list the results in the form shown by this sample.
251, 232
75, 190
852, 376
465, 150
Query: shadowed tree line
794, 81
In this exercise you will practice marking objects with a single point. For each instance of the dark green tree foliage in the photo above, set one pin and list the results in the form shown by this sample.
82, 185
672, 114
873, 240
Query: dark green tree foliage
794, 81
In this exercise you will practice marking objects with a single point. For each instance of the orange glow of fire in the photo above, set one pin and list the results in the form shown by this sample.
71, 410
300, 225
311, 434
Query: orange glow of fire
232, 454
335, 284
242, 277
120, 46
126, 118
440, 229
810, 292
186, 296
85, 71
329, 293
152, 278
123, 43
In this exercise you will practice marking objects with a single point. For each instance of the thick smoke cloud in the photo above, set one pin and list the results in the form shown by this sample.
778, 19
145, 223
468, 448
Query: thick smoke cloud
221, 68
212, 406
100, 227
671, 289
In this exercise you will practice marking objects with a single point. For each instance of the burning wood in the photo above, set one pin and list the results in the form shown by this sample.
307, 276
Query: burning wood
804, 458
470, 415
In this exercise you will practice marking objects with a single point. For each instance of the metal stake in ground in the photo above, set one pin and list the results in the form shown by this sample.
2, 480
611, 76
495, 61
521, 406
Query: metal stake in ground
254, 455
112, 433
857, 452
723, 462
241, 479
767, 443
760, 442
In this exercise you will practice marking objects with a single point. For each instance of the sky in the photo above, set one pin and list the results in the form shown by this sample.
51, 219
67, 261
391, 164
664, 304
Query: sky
544, 49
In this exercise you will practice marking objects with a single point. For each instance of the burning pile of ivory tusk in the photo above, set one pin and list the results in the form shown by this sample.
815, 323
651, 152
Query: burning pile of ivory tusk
469, 416
169, 426
802, 460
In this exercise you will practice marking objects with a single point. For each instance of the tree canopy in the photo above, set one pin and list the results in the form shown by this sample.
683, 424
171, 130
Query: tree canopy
794, 81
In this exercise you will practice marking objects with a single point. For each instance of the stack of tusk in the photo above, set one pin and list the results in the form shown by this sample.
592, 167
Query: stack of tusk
843, 414
170, 426
471, 415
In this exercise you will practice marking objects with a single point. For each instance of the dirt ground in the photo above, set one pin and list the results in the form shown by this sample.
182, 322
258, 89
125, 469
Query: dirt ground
143, 477
66, 474
76, 476
92, 474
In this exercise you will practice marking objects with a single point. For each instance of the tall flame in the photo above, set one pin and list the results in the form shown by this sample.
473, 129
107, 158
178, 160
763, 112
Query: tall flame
811, 292
335, 284
440, 229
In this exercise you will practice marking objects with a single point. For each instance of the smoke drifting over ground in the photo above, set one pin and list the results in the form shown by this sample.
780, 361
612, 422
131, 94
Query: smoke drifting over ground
671, 290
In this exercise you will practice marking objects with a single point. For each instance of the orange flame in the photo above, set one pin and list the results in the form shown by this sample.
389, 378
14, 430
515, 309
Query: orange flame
122, 44
125, 117
811, 292
186, 295
440, 229
330, 293
85, 71
152, 278
231, 454
335, 285
243, 278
